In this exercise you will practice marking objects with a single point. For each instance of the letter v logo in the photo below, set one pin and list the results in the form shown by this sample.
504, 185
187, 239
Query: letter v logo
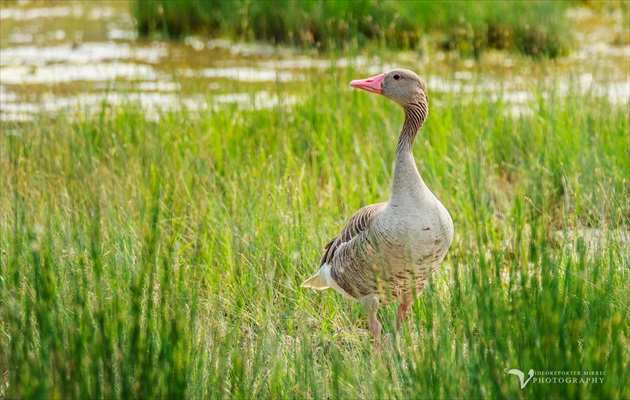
521, 376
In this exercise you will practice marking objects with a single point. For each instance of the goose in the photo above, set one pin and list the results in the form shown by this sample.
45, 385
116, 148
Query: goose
387, 251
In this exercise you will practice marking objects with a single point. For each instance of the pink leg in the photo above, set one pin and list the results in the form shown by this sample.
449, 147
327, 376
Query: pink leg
375, 327
370, 304
405, 302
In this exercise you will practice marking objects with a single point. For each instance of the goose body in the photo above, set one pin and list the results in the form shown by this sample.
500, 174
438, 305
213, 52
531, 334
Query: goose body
388, 250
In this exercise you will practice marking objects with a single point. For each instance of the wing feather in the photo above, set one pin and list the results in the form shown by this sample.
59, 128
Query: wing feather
358, 223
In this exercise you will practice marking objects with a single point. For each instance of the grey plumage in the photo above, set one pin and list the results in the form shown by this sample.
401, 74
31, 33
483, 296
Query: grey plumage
388, 250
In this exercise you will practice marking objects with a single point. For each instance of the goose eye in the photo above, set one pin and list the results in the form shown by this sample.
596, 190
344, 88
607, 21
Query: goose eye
396, 77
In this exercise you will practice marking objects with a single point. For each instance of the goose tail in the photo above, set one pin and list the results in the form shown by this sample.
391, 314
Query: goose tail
315, 282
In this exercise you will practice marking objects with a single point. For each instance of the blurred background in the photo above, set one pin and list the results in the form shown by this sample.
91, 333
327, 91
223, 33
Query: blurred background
67, 55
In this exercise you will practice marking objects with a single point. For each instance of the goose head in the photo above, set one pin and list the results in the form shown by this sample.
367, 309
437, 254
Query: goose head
400, 85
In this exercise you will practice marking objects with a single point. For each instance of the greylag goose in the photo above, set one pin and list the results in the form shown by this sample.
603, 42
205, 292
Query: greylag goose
388, 250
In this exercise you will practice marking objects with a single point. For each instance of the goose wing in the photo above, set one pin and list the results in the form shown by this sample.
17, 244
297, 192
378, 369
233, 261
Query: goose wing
358, 223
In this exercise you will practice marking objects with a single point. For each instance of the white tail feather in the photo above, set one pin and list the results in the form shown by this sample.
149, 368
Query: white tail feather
315, 282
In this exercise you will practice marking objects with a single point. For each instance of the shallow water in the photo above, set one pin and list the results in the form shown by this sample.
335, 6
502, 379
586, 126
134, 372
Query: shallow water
70, 57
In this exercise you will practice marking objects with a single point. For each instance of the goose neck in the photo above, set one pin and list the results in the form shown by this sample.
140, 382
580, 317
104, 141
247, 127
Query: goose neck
415, 114
407, 182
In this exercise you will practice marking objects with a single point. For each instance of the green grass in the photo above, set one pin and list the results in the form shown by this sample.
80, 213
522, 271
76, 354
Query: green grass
535, 28
143, 259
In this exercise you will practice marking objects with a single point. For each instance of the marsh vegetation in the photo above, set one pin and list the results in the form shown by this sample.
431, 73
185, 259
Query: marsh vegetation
154, 248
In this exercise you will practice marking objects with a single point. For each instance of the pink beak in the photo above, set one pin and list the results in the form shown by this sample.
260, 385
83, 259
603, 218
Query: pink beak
373, 84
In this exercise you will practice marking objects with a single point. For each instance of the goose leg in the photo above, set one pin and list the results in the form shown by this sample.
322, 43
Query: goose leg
370, 304
405, 302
